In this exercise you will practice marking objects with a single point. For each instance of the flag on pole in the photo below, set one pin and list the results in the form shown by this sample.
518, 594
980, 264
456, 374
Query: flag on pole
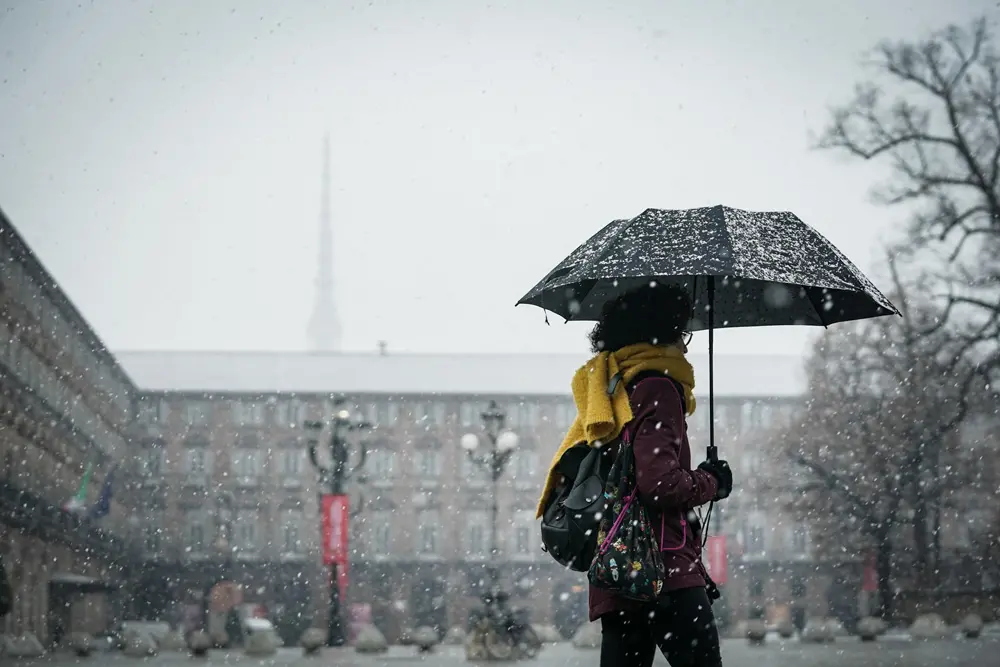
78, 503
103, 505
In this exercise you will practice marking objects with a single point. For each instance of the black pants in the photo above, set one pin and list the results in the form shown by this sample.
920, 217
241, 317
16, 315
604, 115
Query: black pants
681, 624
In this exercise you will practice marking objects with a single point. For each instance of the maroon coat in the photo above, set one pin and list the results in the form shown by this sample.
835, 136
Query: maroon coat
667, 487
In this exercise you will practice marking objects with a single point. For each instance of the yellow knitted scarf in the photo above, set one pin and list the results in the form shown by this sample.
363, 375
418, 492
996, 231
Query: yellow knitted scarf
600, 418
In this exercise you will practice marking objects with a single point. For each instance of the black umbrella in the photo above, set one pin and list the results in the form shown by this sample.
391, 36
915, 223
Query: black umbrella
743, 268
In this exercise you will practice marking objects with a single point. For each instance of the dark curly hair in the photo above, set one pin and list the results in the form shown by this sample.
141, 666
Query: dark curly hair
655, 313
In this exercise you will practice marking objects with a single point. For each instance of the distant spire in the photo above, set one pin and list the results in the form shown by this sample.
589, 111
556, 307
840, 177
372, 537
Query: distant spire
324, 329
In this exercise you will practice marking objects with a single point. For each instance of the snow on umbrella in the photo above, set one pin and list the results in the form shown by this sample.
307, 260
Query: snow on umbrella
742, 269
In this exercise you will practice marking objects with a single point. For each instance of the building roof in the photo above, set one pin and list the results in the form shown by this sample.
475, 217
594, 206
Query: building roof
47, 285
410, 373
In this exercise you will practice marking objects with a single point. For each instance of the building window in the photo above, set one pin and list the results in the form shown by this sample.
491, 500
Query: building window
471, 471
246, 462
747, 416
247, 414
153, 463
466, 413
751, 462
962, 528
525, 464
291, 462
440, 413
765, 415
153, 411
701, 419
755, 537
291, 522
564, 415
798, 587
195, 532
800, 540
282, 418
4, 340
475, 535
523, 531
723, 418
196, 461
534, 416
756, 587
152, 539
382, 464
428, 463
381, 534
514, 414
246, 531
522, 540
427, 533
196, 412
289, 414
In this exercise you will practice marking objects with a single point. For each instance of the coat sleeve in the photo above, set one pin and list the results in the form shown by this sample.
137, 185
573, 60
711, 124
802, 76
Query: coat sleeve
658, 434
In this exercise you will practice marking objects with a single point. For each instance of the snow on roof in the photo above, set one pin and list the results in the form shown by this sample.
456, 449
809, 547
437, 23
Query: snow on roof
413, 373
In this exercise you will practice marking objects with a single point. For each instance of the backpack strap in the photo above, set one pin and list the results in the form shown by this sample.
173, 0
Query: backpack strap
616, 379
614, 382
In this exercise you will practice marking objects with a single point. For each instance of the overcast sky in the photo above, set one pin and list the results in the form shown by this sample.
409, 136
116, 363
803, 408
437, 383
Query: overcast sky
163, 158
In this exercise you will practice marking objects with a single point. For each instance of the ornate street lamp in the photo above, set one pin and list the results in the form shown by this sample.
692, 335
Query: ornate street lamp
223, 545
494, 461
333, 476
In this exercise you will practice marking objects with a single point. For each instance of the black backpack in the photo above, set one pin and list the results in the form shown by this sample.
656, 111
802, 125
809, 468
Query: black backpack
573, 511
572, 514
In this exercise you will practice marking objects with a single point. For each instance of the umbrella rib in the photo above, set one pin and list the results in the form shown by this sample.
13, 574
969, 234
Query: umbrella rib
819, 311
608, 247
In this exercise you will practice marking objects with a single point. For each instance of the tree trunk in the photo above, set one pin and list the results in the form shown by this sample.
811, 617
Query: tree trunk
921, 536
883, 569
936, 544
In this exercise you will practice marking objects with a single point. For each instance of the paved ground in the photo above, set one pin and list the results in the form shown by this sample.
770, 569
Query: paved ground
845, 653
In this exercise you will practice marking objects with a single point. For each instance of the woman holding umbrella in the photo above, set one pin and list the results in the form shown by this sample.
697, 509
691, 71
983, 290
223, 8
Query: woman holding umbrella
638, 278
642, 336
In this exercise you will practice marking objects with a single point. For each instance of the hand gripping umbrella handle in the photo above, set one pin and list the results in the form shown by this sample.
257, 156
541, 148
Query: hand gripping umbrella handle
713, 455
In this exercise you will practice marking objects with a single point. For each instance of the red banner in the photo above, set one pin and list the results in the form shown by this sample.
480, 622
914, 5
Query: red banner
715, 558
869, 583
335, 529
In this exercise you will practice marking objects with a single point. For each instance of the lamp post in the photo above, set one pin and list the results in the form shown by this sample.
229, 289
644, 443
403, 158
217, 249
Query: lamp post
333, 475
494, 461
223, 544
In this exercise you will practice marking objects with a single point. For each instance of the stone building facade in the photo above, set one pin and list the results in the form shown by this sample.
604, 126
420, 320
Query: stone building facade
218, 425
65, 404
214, 473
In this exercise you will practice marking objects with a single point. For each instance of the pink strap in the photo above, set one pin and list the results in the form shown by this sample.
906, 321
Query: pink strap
627, 437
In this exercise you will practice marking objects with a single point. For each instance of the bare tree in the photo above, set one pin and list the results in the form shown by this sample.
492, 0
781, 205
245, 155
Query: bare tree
933, 114
842, 456
866, 463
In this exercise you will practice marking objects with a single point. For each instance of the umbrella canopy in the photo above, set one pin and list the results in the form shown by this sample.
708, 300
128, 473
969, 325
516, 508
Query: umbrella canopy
744, 268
